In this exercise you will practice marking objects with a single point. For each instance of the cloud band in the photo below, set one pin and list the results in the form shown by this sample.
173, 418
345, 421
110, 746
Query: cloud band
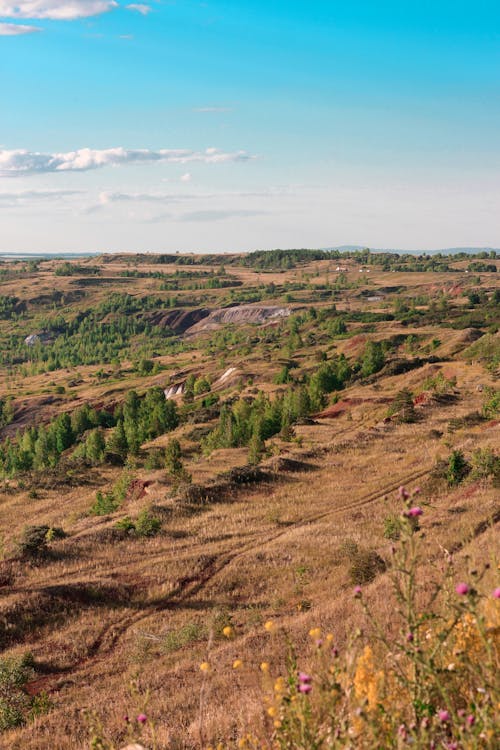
23, 162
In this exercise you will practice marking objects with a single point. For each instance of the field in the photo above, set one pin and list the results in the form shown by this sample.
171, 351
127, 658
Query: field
304, 392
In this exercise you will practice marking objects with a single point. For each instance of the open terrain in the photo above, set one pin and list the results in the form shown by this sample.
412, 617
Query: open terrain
190, 443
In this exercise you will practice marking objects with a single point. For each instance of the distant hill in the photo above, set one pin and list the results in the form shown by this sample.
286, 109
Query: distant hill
443, 251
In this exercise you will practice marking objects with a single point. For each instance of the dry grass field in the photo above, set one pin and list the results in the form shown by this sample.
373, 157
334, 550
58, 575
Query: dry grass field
117, 623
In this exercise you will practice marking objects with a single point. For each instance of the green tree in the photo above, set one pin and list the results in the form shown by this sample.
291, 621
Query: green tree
373, 358
95, 446
63, 432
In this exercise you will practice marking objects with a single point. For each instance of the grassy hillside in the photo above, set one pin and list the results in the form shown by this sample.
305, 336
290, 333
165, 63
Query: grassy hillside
143, 537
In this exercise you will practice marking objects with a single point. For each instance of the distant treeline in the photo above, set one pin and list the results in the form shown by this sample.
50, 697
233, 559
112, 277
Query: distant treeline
287, 259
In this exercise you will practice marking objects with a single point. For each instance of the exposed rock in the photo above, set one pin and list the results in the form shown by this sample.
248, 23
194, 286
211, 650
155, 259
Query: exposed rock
249, 314
177, 320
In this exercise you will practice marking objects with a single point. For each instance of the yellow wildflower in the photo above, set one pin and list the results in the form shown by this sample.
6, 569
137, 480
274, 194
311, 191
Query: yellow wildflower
228, 631
272, 711
315, 633
279, 685
329, 638
264, 667
270, 626
205, 666
237, 664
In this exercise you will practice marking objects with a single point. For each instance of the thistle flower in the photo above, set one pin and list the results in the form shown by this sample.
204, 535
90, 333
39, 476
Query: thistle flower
305, 678
357, 592
305, 688
444, 715
414, 512
496, 594
403, 493
470, 720
142, 718
462, 589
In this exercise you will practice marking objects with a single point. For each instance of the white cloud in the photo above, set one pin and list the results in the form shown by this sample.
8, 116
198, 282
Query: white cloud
107, 197
16, 29
186, 177
139, 8
22, 162
55, 10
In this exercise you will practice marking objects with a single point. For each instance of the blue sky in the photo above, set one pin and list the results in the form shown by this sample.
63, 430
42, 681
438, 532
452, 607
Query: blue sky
224, 125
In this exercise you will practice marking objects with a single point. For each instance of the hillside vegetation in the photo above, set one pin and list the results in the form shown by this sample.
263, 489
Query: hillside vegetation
250, 501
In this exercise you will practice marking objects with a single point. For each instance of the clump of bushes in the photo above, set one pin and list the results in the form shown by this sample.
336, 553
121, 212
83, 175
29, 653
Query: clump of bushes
35, 540
107, 502
458, 468
364, 564
145, 525
402, 408
15, 702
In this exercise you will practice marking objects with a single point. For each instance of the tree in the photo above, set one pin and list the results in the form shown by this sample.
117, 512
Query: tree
63, 432
256, 445
373, 358
117, 442
95, 447
188, 394
173, 457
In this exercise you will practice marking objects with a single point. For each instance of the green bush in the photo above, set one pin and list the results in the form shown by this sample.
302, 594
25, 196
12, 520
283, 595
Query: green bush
15, 703
104, 504
485, 463
458, 468
33, 542
147, 524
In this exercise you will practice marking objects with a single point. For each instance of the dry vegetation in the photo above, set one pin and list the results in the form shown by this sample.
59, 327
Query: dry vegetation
117, 619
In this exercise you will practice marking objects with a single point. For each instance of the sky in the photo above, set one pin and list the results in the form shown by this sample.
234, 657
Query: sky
165, 125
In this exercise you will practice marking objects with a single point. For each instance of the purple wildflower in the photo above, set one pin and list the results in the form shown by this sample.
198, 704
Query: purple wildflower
444, 715
414, 512
462, 589
305, 688
142, 718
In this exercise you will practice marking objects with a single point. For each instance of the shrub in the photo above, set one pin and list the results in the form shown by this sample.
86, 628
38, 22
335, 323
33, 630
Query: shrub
104, 504
125, 524
485, 463
491, 406
458, 468
33, 542
366, 564
15, 703
402, 407
147, 524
